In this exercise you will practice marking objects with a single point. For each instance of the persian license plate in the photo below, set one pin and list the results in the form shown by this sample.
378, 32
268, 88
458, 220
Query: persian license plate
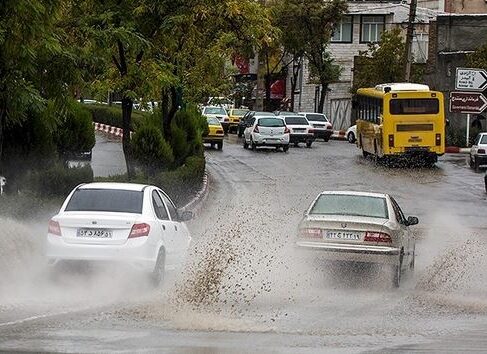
94, 233
342, 235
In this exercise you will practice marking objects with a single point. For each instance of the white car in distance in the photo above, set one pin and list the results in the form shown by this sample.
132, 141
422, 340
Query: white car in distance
266, 131
219, 113
359, 227
300, 130
125, 223
351, 134
322, 126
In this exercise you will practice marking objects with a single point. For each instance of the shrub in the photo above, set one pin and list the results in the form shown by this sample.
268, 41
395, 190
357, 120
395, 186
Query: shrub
151, 150
56, 180
75, 134
457, 136
187, 130
182, 183
112, 115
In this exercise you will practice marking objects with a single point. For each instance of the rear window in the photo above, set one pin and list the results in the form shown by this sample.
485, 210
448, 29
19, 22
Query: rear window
353, 205
213, 121
296, 121
271, 122
215, 110
239, 112
112, 200
317, 117
415, 106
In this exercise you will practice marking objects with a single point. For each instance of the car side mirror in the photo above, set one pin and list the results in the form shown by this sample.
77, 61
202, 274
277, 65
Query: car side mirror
186, 216
412, 220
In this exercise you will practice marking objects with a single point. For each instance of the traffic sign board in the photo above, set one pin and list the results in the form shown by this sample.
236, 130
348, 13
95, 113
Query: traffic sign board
471, 79
467, 102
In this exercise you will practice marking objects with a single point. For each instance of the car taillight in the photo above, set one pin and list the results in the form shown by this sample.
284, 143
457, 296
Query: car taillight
481, 151
373, 236
286, 130
219, 131
139, 230
438, 139
54, 228
256, 129
391, 140
310, 233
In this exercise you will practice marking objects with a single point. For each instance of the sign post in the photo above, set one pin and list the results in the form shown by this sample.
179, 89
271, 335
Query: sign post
3, 182
466, 101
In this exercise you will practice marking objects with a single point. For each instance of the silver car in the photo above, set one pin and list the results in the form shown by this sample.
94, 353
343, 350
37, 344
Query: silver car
359, 227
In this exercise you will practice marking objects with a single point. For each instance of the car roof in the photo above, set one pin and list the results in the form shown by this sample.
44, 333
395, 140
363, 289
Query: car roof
114, 185
359, 193
269, 116
262, 113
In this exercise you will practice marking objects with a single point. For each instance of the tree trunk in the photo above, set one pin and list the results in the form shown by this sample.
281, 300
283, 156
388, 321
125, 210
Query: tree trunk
127, 149
321, 104
294, 81
164, 109
3, 118
267, 102
167, 119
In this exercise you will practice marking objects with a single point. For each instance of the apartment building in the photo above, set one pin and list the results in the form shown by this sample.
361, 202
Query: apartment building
456, 6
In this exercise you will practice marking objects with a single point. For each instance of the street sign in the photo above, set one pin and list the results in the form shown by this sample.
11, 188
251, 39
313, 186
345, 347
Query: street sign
471, 79
467, 102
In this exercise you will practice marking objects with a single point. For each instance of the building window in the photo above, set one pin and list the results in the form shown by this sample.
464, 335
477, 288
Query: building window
372, 28
343, 31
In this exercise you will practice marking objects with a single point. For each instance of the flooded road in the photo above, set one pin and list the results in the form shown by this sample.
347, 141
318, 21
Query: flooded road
244, 289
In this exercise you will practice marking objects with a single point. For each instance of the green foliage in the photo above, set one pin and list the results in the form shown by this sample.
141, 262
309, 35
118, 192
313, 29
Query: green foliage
56, 180
457, 136
75, 133
478, 59
182, 183
187, 130
112, 115
29, 206
151, 150
384, 62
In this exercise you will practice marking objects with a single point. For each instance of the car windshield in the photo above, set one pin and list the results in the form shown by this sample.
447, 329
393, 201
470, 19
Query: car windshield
112, 200
213, 121
239, 112
317, 117
271, 122
296, 120
354, 205
215, 110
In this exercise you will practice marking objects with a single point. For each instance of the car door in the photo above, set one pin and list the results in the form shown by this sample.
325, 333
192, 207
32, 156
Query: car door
248, 129
166, 228
181, 232
406, 232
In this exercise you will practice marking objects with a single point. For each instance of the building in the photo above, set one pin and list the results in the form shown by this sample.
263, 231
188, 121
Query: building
365, 22
456, 6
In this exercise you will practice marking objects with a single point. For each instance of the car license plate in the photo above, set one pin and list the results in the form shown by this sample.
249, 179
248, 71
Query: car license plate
342, 235
94, 233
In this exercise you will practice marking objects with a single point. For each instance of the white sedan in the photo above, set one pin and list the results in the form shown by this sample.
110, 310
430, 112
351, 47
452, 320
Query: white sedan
359, 227
266, 131
120, 222
351, 134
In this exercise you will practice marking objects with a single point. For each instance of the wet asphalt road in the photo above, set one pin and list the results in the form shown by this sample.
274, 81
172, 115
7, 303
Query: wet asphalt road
244, 290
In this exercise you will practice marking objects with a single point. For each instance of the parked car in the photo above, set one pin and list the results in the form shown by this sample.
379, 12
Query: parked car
266, 131
215, 133
351, 134
322, 126
235, 114
125, 223
300, 130
359, 227
219, 113
478, 152
247, 117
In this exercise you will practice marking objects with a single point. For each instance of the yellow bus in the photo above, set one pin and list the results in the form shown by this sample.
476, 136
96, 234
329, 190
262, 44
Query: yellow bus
400, 120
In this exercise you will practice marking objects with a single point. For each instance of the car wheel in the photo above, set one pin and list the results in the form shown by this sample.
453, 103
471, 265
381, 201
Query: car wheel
396, 273
285, 148
470, 161
212, 145
411, 265
245, 144
326, 139
157, 275
220, 145
476, 164
239, 134
308, 144
351, 137
252, 144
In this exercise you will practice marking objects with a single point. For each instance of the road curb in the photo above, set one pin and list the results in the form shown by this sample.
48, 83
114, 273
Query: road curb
195, 204
456, 150
114, 132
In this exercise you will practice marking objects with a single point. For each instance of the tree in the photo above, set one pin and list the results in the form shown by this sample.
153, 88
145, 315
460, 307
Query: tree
478, 59
308, 25
383, 62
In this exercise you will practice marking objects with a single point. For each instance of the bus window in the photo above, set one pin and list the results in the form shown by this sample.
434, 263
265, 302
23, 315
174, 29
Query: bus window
414, 106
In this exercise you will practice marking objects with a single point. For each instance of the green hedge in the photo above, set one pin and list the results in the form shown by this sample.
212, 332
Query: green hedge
112, 115
56, 181
457, 136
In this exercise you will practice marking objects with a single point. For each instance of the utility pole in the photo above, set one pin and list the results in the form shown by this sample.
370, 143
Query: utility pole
409, 39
